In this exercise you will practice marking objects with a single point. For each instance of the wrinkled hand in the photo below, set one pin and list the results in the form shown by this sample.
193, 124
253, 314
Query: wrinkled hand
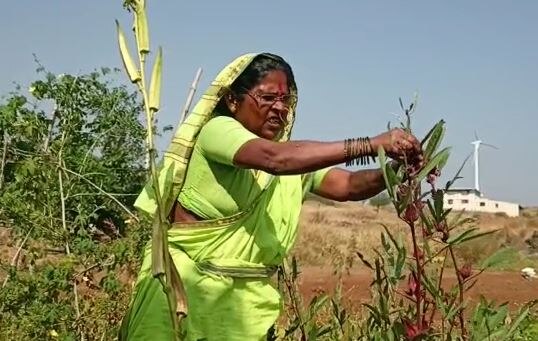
399, 145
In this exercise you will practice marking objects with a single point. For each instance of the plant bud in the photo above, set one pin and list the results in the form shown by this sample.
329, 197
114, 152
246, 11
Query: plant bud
465, 271
411, 214
412, 285
412, 330
441, 227
445, 236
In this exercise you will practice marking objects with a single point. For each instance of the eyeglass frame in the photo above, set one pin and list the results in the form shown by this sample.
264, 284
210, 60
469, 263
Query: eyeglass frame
278, 98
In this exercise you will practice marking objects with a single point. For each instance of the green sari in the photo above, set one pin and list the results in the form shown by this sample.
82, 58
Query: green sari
226, 261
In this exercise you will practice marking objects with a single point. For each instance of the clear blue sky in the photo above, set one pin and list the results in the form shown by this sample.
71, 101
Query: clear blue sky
474, 63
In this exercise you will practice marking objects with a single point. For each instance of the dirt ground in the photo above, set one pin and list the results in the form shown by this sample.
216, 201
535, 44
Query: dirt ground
501, 286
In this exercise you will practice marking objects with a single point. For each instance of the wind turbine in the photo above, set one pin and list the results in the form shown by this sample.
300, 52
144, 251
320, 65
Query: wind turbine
477, 142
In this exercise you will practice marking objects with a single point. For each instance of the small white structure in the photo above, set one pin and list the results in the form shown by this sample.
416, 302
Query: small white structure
528, 273
472, 200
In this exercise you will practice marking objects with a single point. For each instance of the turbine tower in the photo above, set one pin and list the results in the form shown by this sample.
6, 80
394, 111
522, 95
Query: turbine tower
477, 142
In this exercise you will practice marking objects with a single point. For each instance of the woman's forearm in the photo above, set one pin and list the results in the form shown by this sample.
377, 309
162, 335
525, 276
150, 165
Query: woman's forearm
365, 184
293, 157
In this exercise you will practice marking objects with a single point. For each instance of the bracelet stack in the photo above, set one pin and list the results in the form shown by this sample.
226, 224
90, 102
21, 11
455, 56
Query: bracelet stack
358, 151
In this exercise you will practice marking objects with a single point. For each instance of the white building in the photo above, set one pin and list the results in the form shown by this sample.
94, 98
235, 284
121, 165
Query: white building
473, 200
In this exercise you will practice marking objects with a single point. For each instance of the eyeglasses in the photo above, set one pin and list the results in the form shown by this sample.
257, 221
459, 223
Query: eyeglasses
268, 99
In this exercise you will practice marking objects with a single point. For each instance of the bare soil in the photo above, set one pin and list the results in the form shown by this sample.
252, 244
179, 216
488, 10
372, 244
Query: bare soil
502, 287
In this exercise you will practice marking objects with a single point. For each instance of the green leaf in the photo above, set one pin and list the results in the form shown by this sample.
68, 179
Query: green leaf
394, 241
375, 314
393, 179
457, 238
438, 203
500, 315
453, 311
439, 158
399, 266
467, 236
324, 330
294, 268
435, 139
457, 175
431, 287
430, 132
432, 210
522, 316
364, 261
316, 304
382, 162
427, 221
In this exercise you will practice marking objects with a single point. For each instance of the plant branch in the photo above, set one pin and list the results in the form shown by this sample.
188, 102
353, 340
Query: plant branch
15, 258
419, 275
66, 230
460, 293
4, 156
111, 196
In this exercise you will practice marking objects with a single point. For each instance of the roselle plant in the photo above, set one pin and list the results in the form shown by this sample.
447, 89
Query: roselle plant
410, 300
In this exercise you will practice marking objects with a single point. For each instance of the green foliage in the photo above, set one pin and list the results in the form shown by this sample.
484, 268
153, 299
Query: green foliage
87, 128
409, 314
72, 168
31, 303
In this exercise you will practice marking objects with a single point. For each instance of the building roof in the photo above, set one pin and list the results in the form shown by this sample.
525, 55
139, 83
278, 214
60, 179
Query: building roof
464, 190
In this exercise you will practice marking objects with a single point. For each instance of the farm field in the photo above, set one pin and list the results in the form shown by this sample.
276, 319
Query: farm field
331, 233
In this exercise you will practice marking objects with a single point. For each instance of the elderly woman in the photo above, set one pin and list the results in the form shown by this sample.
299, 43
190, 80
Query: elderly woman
234, 183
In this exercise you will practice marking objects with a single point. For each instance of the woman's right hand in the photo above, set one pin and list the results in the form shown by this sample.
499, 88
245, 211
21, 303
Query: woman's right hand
398, 145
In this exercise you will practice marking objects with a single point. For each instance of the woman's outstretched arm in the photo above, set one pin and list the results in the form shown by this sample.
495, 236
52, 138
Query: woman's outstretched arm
298, 157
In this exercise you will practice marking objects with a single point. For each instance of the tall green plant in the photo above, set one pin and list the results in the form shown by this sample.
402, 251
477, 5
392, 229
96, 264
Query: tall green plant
162, 263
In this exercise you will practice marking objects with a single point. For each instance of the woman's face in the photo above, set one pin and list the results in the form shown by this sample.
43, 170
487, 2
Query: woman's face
264, 108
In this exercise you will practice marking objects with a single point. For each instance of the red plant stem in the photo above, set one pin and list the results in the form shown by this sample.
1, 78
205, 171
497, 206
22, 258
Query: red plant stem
439, 286
290, 285
460, 287
419, 275
399, 292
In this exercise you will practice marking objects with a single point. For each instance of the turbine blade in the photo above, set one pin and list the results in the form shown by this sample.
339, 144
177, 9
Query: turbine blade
490, 145
476, 136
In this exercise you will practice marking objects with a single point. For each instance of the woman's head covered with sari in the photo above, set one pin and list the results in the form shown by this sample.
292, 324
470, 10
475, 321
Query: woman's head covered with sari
263, 97
258, 90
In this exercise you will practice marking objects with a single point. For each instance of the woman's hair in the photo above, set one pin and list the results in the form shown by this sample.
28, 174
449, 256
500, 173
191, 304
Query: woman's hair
260, 66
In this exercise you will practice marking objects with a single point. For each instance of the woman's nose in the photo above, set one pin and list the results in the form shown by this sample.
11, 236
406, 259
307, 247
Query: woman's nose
282, 110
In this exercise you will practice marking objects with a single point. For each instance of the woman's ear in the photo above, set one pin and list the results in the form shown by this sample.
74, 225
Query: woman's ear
231, 103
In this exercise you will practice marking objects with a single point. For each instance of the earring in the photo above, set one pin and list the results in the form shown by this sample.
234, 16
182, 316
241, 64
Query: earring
232, 108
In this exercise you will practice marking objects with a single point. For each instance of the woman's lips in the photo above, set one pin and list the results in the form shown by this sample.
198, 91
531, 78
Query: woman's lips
274, 123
